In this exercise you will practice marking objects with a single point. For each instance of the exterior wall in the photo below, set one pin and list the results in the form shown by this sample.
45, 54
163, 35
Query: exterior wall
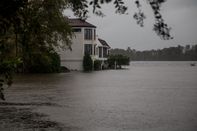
73, 59
73, 65
77, 48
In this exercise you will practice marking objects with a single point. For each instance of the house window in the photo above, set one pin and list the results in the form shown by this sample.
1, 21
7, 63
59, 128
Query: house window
104, 52
88, 49
76, 29
88, 34
94, 49
100, 52
94, 34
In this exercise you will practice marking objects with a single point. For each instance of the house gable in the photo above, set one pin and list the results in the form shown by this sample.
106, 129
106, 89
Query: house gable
103, 42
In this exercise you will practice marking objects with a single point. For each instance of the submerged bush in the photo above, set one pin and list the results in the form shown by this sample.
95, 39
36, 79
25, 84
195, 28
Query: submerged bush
97, 65
118, 61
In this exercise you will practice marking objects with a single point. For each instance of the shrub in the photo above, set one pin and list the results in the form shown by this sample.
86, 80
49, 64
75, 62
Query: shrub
87, 63
48, 62
97, 65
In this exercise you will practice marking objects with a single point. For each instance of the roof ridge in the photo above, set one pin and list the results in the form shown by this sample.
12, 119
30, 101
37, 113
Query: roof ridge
78, 22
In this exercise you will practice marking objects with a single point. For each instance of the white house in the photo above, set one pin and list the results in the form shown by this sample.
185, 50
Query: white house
84, 41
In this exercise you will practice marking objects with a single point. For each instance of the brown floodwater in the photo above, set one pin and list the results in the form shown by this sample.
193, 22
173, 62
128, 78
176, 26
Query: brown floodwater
147, 96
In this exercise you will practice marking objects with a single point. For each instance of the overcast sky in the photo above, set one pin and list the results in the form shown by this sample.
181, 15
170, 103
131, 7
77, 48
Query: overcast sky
121, 31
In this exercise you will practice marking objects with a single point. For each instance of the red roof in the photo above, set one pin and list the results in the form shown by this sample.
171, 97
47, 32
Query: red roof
80, 23
103, 42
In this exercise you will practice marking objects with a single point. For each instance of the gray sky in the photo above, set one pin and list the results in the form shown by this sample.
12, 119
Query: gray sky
121, 31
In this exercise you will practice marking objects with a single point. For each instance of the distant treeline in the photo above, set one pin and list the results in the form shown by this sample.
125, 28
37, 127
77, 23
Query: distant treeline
179, 53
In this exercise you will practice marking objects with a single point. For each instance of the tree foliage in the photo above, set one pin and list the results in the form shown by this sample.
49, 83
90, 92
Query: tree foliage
33, 26
45, 62
160, 27
179, 53
43, 23
29, 27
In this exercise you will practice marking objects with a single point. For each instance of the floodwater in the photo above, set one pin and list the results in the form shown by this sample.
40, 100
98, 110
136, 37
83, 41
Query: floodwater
147, 96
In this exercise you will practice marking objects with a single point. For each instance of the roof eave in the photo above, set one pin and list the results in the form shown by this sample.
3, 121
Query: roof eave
83, 26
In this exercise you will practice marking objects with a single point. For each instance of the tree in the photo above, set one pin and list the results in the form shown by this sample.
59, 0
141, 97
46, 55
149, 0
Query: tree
30, 27
42, 23
7, 68
179, 53
8, 20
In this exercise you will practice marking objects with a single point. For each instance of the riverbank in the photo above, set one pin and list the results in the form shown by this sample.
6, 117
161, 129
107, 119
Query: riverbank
21, 117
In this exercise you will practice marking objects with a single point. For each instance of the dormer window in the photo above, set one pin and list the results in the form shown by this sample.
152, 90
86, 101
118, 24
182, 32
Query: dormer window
88, 34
